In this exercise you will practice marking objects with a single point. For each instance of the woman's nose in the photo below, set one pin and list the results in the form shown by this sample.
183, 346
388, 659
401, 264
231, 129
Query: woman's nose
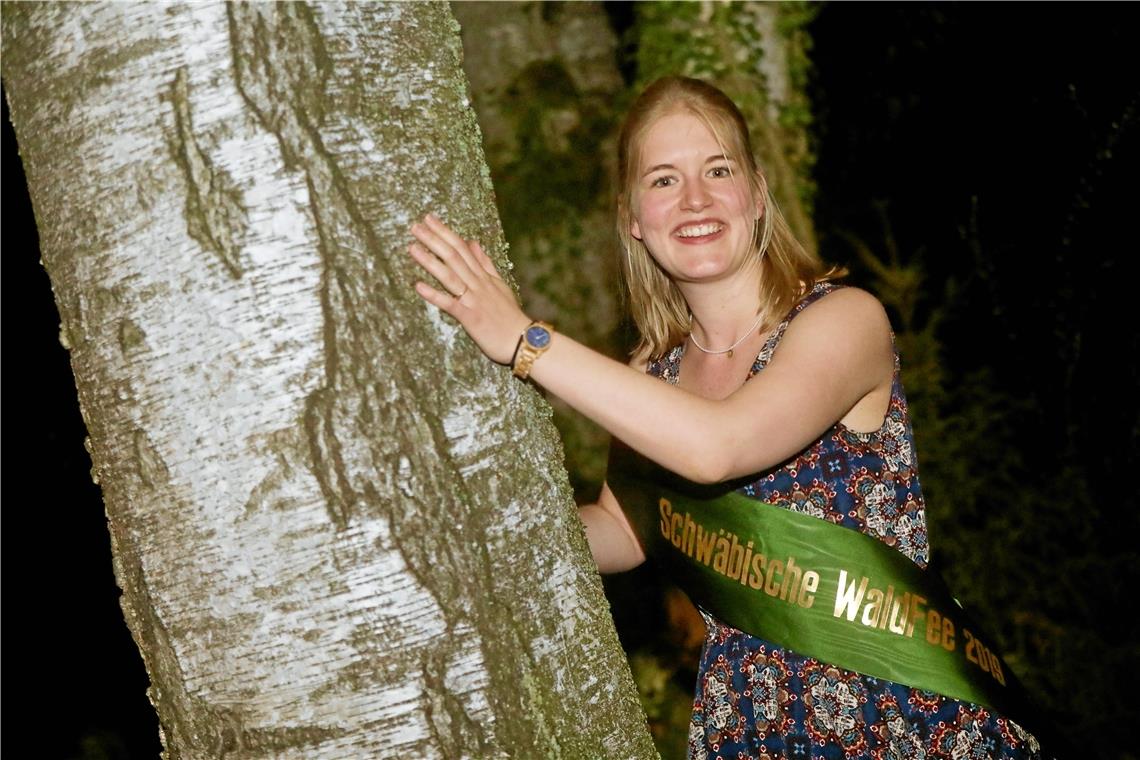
696, 196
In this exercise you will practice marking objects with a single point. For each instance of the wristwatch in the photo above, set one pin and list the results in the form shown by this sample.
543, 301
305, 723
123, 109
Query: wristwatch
533, 344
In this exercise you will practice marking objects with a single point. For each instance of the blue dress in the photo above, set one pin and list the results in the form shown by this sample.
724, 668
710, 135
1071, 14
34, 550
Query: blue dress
756, 699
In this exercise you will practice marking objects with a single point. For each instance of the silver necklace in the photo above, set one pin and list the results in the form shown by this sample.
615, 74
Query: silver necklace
723, 350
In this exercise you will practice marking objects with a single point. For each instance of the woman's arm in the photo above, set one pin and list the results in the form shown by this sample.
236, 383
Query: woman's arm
612, 541
831, 356
837, 352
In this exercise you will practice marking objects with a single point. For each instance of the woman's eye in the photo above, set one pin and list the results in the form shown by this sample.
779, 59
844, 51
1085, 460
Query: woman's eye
662, 182
720, 171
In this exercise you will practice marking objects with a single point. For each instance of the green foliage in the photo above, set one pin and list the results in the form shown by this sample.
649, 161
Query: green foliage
557, 172
795, 110
667, 706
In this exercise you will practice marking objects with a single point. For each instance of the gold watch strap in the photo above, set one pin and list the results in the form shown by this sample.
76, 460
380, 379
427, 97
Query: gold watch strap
534, 342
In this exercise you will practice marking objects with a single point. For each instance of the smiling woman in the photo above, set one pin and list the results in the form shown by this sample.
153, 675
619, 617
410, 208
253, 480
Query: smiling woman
781, 446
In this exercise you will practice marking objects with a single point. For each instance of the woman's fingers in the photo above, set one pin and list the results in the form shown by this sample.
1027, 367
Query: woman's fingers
449, 247
445, 252
483, 260
455, 262
445, 302
449, 238
440, 270
470, 288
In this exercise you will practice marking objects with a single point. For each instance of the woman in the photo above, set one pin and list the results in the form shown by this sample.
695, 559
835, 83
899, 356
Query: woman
773, 377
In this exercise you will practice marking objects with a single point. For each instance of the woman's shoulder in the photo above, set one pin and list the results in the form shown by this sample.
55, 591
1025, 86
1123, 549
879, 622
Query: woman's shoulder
840, 315
829, 302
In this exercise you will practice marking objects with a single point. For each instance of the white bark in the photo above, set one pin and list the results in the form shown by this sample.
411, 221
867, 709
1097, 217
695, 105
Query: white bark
339, 531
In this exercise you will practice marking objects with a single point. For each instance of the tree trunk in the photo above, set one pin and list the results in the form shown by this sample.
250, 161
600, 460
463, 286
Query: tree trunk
340, 532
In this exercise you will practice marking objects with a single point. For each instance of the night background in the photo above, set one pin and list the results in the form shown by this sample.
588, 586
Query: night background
986, 152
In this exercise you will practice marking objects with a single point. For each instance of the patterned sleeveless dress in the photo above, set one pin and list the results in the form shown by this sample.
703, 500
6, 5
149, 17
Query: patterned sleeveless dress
756, 699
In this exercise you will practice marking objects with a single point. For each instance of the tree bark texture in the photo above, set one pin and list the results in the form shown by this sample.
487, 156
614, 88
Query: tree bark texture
545, 83
339, 531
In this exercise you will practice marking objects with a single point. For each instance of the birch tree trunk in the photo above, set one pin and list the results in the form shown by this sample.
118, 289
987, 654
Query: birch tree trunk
339, 531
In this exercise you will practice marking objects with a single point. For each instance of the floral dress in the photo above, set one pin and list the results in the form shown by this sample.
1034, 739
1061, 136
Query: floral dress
756, 699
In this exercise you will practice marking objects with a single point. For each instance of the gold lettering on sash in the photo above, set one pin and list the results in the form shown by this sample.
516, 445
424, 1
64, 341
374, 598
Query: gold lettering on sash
939, 630
916, 610
885, 609
810, 585
735, 559
792, 576
933, 627
902, 604
947, 634
874, 605
729, 556
747, 563
882, 609
756, 577
690, 534
848, 598
974, 650
995, 662
705, 541
720, 561
775, 570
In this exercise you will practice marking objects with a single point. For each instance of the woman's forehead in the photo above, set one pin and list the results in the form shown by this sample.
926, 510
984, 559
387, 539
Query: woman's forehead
677, 134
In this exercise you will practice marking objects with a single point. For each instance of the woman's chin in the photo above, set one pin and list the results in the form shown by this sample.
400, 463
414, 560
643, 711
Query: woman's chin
705, 271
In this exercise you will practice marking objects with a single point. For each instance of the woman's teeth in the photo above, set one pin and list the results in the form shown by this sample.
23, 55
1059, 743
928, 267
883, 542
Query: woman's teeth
699, 230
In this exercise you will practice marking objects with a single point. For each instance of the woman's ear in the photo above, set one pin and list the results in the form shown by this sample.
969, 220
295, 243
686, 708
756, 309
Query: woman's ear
761, 194
623, 209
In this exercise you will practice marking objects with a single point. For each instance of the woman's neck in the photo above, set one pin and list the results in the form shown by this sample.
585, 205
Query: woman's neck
723, 313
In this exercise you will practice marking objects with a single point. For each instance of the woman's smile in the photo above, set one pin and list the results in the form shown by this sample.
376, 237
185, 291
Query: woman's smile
696, 233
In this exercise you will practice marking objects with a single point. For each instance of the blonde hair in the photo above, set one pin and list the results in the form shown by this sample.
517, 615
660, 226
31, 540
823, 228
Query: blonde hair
788, 270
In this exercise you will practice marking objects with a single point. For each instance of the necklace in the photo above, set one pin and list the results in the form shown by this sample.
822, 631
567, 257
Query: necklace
723, 350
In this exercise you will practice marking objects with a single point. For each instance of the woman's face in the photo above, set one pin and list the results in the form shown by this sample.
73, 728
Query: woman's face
692, 207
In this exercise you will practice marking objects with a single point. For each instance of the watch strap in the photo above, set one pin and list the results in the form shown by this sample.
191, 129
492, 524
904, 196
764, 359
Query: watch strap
530, 349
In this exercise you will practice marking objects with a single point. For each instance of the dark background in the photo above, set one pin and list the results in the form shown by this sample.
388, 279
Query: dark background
1000, 144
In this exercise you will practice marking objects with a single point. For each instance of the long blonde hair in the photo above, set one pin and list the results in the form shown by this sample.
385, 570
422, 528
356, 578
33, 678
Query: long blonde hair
788, 270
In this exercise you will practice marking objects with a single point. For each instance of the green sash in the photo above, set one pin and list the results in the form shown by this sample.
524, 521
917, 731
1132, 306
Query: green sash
817, 588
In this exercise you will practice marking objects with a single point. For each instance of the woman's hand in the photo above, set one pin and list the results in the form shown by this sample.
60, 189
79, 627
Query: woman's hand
474, 293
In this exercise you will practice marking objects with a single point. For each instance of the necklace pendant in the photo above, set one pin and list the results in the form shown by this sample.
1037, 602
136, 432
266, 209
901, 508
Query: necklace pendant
730, 353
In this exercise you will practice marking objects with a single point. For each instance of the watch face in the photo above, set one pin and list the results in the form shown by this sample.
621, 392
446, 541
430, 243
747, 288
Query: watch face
537, 336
